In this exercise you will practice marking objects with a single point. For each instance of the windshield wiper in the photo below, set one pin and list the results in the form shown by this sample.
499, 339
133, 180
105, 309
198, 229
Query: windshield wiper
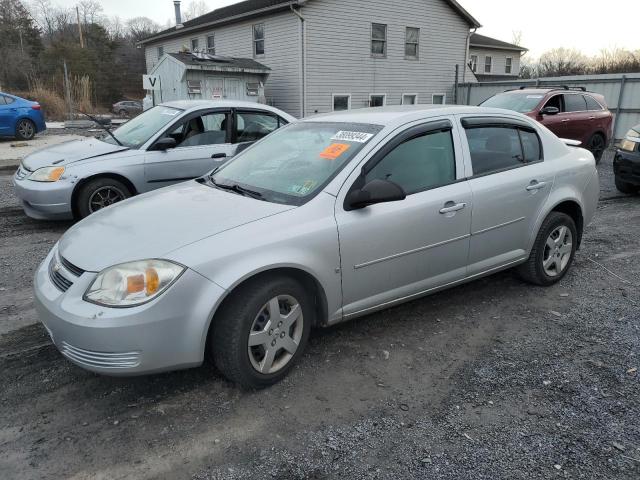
237, 189
102, 126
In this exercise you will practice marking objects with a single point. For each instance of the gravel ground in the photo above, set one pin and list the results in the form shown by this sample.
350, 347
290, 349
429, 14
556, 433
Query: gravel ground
492, 380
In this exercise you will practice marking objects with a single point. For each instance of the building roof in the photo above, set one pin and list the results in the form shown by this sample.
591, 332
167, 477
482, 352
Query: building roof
205, 61
478, 40
254, 8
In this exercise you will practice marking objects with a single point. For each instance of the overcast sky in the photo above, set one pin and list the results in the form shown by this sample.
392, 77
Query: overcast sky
583, 24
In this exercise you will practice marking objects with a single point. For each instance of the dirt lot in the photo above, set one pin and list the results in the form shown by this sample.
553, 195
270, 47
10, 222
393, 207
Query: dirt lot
492, 380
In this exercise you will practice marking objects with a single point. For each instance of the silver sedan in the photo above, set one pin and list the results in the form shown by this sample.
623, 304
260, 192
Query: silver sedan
325, 220
167, 144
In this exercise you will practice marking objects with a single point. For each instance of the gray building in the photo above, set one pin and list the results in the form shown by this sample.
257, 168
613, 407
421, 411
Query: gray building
493, 60
335, 54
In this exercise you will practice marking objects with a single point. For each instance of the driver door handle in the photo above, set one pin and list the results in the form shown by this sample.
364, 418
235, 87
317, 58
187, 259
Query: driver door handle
535, 185
219, 155
450, 207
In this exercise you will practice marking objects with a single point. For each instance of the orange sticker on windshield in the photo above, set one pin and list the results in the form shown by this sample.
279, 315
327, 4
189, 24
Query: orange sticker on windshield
334, 150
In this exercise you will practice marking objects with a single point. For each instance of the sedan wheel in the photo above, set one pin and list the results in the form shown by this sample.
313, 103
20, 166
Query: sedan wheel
557, 252
99, 193
105, 196
25, 130
261, 330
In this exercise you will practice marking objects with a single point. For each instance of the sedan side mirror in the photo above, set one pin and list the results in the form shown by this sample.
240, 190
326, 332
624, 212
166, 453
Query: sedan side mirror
550, 111
165, 144
376, 191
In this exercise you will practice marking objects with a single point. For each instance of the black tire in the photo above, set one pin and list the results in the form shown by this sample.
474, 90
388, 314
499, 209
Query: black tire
597, 145
233, 323
626, 187
25, 129
123, 113
533, 271
86, 203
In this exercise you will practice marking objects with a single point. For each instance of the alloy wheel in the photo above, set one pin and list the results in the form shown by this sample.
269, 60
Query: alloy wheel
557, 251
26, 130
275, 334
597, 146
105, 196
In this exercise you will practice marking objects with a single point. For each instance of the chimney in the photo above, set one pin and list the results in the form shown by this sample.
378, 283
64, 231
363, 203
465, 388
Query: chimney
176, 5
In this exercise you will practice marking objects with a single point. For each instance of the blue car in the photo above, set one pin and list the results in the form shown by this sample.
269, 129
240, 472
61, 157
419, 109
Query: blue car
20, 118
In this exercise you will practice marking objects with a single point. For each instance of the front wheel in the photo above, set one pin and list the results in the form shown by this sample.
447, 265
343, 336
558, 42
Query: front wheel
552, 252
261, 331
597, 145
625, 187
25, 130
100, 193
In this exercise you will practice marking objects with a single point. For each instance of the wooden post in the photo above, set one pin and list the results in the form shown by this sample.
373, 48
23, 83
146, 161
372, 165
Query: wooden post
80, 28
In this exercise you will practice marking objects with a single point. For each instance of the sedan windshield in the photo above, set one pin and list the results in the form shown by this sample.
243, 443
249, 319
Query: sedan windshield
518, 102
138, 130
295, 162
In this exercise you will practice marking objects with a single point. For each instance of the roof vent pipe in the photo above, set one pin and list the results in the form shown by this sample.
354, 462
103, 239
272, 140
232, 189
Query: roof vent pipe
176, 5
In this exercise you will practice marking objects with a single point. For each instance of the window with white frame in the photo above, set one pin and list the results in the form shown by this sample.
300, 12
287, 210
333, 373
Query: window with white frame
160, 51
508, 66
488, 64
341, 102
377, 99
439, 98
411, 43
473, 63
195, 44
258, 39
211, 44
378, 40
409, 99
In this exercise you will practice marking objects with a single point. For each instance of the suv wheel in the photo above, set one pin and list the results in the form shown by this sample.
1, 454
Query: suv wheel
597, 145
261, 331
99, 193
552, 252
625, 187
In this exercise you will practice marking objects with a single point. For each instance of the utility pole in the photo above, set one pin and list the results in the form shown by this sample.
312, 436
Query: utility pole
67, 90
79, 28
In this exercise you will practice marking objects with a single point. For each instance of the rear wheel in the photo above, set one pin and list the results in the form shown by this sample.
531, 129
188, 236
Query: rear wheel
597, 145
25, 130
552, 252
99, 193
261, 331
123, 113
626, 187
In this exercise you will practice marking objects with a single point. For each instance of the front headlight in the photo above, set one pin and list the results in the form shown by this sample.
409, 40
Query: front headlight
133, 283
47, 174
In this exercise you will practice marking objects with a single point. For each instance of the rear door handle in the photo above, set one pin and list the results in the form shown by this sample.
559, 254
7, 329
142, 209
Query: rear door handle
451, 207
566, 120
219, 155
535, 185
592, 118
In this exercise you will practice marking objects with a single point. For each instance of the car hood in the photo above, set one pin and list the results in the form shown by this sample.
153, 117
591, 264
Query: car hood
69, 152
156, 223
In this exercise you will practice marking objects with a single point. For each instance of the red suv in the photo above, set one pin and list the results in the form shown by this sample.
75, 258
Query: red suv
569, 112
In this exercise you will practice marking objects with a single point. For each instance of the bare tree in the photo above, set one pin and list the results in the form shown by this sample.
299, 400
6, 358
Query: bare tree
562, 61
141, 27
91, 11
517, 37
196, 8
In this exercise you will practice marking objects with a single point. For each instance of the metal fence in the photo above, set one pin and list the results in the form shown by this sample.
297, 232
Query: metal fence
621, 91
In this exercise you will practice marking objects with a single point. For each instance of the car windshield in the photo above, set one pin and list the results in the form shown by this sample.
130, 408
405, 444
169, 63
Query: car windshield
519, 102
137, 131
295, 162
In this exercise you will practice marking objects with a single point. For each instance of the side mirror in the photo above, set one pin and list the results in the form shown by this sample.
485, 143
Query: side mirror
376, 191
165, 144
550, 111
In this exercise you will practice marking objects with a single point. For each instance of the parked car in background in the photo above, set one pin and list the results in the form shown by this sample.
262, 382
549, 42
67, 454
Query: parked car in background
127, 108
328, 219
167, 144
569, 112
626, 162
20, 118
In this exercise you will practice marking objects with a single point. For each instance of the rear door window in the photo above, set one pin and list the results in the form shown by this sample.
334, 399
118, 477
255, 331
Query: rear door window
252, 126
592, 104
574, 103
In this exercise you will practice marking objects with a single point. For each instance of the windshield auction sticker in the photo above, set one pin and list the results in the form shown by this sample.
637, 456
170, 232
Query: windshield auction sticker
345, 136
334, 150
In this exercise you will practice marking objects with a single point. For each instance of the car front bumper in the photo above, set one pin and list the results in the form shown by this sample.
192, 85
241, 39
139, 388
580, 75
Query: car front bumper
44, 200
168, 333
626, 166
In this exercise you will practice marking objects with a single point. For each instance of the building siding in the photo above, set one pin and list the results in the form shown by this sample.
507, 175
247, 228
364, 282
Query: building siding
499, 61
282, 54
339, 54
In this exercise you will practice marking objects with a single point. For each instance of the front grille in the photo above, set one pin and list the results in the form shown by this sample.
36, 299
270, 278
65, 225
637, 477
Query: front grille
60, 281
77, 271
22, 173
90, 358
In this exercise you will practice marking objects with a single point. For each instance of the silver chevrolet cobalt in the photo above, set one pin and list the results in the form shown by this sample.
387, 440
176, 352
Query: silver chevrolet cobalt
323, 221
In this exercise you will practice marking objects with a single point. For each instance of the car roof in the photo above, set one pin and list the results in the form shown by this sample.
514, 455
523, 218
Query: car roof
546, 90
399, 114
200, 104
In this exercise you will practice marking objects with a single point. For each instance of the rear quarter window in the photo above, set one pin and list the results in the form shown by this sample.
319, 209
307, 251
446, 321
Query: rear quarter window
592, 103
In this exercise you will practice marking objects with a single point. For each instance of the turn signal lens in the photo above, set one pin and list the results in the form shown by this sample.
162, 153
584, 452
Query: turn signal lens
47, 174
133, 283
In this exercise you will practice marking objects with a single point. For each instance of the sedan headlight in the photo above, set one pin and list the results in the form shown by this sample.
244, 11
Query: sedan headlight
133, 283
47, 174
